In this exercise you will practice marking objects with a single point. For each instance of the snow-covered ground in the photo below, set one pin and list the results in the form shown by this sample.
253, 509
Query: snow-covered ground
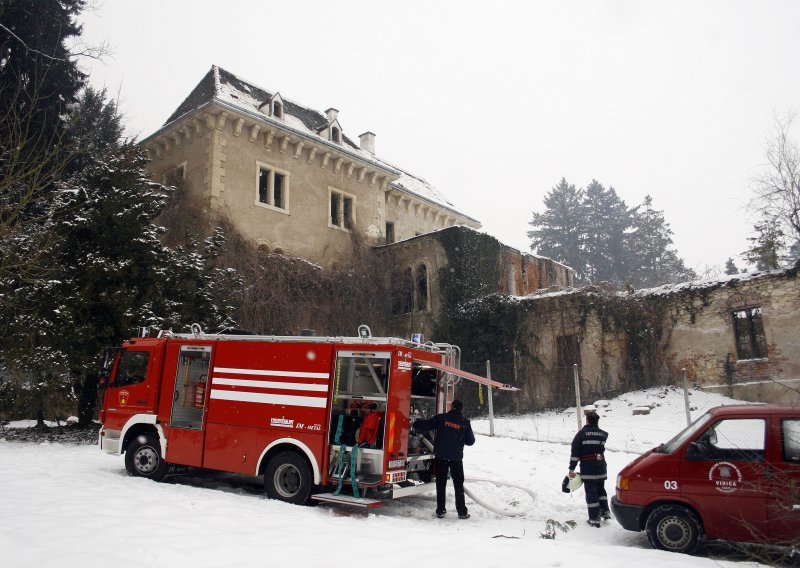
74, 506
628, 431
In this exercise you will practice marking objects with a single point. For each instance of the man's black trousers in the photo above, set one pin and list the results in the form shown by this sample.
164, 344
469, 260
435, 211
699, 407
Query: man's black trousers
456, 469
596, 499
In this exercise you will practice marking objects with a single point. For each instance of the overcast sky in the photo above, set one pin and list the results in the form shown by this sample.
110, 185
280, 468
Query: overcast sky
493, 102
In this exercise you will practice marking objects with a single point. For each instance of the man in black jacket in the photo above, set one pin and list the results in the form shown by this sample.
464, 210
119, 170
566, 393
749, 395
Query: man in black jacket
453, 431
588, 449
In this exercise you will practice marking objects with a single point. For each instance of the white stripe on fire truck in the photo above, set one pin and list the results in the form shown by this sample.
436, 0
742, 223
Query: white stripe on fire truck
269, 384
301, 374
265, 398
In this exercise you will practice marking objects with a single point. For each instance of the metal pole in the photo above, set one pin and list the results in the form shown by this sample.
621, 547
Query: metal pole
686, 397
578, 408
489, 389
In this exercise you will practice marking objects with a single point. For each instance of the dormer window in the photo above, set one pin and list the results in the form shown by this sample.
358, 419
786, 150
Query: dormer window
336, 135
273, 106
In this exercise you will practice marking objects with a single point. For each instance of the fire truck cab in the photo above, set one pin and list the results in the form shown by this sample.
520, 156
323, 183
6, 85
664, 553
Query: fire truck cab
328, 418
733, 474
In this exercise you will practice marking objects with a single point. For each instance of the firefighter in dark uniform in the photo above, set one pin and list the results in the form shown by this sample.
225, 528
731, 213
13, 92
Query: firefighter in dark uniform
588, 449
453, 432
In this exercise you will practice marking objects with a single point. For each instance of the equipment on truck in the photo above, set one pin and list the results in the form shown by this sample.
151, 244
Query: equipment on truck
324, 418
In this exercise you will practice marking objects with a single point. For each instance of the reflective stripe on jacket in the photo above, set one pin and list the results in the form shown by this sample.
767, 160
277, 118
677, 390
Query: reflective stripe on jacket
588, 449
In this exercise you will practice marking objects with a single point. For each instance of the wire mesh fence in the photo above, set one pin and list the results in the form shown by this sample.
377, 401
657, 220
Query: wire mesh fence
636, 421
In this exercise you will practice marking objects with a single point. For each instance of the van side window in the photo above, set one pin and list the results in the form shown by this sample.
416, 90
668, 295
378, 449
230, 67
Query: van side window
132, 368
735, 439
790, 432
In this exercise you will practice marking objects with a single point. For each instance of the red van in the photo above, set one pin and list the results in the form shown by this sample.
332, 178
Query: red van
733, 474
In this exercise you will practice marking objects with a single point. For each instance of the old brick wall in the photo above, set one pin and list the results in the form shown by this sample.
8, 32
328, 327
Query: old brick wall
701, 337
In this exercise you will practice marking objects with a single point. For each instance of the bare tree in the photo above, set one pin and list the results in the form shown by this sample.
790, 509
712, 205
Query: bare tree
29, 166
776, 191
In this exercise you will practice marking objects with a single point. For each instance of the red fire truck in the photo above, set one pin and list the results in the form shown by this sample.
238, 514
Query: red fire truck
325, 418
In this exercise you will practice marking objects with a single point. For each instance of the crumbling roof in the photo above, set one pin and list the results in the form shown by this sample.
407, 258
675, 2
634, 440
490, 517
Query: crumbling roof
223, 86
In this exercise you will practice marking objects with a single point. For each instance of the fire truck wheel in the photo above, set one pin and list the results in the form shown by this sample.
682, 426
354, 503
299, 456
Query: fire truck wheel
288, 478
673, 528
143, 458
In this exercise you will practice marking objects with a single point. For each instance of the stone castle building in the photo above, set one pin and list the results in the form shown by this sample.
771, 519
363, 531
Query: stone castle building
289, 177
291, 181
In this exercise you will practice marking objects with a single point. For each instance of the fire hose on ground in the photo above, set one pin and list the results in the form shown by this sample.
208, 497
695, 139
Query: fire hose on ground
493, 509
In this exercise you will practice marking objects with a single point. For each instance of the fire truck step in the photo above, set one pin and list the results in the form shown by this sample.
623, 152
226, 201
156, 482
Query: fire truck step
350, 500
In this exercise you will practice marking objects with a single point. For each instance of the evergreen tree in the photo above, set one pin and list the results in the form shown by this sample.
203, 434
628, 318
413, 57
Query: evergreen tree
107, 273
39, 83
39, 77
764, 252
595, 233
607, 219
649, 256
558, 231
95, 128
730, 267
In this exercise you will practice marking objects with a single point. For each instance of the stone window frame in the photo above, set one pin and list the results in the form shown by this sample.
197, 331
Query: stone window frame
751, 334
334, 193
285, 188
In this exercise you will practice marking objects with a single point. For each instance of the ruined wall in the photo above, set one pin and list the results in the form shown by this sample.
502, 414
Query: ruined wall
587, 327
524, 273
702, 337
628, 341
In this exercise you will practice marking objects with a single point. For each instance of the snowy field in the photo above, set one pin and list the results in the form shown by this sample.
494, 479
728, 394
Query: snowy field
628, 432
74, 506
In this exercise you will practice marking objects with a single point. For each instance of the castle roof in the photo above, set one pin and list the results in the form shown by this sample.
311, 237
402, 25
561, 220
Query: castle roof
221, 86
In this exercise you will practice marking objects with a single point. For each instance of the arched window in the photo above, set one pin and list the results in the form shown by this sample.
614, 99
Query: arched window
421, 288
277, 109
336, 136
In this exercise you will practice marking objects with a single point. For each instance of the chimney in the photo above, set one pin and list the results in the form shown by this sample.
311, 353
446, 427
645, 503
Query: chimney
331, 113
367, 142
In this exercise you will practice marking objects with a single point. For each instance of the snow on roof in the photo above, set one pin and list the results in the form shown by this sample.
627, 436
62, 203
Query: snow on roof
670, 289
226, 87
716, 282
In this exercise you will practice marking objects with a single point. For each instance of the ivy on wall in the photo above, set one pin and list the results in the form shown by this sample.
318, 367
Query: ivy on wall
472, 316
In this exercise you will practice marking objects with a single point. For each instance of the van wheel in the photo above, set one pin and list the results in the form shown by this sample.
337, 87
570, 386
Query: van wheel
673, 528
143, 458
288, 478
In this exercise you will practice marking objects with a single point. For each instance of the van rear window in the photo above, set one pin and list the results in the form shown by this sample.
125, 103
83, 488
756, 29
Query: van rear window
790, 429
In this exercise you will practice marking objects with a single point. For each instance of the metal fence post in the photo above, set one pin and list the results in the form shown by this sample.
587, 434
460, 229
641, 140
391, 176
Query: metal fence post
686, 397
489, 398
578, 408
